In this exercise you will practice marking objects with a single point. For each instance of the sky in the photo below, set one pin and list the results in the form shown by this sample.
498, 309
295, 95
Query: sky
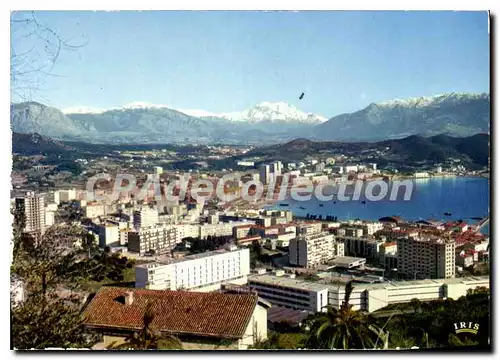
230, 61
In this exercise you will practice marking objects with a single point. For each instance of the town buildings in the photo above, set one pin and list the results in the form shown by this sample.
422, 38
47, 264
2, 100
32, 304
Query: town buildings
312, 247
289, 291
424, 257
158, 239
201, 321
145, 217
32, 208
202, 272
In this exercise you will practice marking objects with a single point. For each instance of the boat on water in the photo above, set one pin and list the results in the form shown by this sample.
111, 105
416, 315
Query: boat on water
447, 214
321, 205
301, 207
363, 202
284, 204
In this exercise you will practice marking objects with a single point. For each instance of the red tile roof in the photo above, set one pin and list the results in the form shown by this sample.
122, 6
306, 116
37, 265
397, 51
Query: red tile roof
389, 244
210, 314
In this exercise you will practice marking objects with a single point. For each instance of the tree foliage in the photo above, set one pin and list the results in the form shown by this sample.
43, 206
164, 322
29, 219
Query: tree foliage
433, 323
344, 328
45, 321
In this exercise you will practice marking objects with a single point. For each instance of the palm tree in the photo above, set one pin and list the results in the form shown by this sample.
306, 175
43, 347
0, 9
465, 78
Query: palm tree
344, 328
147, 338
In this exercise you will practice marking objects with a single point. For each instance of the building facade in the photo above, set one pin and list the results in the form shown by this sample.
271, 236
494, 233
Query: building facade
311, 250
306, 295
201, 272
426, 257
146, 217
161, 240
32, 207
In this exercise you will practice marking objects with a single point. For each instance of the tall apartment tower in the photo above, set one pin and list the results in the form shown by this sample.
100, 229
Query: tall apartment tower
146, 217
312, 247
264, 171
33, 208
426, 258
277, 167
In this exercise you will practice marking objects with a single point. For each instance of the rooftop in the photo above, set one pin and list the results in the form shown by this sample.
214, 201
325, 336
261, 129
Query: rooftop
345, 260
286, 281
169, 261
208, 314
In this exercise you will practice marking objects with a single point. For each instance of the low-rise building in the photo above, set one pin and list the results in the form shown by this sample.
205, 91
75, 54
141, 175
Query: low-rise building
109, 235
289, 292
94, 210
201, 321
307, 295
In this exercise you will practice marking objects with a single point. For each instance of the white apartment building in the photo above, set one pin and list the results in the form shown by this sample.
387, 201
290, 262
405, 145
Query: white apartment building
95, 210
309, 228
51, 207
67, 195
276, 168
287, 291
311, 250
371, 228
200, 272
33, 208
362, 247
420, 175
158, 170
146, 217
220, 229
264, 171
49, 218
426, 257
187, 230
160, 239
109, 235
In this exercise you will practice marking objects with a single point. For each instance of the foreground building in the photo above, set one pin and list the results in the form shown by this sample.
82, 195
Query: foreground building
201, 321
299, 294
201, 272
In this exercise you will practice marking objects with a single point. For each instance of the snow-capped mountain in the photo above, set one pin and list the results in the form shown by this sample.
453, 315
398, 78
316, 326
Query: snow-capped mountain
424, 101
143, 105
264, 111
455, 114
277, 111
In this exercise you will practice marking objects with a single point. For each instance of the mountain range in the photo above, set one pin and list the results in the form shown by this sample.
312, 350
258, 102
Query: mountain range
454, 114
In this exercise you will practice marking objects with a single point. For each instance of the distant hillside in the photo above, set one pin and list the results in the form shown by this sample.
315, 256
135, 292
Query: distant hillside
412, 149
35, 144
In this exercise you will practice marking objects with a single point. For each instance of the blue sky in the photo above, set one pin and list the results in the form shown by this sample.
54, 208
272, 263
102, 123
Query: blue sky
229, 61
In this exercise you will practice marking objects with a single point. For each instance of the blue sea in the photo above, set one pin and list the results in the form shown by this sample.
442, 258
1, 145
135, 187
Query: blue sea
464, 197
